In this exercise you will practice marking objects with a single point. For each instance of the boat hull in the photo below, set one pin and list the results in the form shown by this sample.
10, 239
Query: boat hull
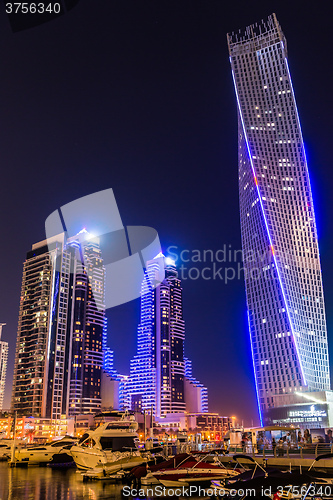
177, 477
43, 454
28, 458
90, 459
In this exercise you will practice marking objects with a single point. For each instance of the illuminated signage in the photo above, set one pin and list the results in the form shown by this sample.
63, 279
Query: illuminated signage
308, 413
315, 415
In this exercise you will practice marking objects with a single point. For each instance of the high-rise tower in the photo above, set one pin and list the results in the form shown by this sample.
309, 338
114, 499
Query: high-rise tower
89, 323
40, 385
284, 289
58, 359
157, 371
196, 394
3, 366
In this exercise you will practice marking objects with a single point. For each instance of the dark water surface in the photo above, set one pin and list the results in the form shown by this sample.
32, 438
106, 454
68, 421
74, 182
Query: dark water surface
44, 483
37, 483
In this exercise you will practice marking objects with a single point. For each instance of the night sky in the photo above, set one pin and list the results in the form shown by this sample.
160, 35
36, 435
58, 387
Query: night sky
137, 96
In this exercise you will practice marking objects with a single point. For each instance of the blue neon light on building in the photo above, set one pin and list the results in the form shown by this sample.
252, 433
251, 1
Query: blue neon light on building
283, 279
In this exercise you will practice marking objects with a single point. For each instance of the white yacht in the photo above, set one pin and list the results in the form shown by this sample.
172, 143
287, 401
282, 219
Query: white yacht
5, 448
39, 454
111, 446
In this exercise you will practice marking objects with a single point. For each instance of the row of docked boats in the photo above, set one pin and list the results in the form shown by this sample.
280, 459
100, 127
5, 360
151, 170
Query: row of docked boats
232, 481
110, 452
260, 482
239, 482
113, 443
97, 455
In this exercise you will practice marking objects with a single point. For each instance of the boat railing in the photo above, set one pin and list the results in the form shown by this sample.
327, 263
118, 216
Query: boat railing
267, 450
300, 450
171, 449
174, 449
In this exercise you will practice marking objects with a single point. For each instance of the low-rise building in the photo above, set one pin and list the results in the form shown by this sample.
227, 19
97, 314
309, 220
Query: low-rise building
211, 426
31, 429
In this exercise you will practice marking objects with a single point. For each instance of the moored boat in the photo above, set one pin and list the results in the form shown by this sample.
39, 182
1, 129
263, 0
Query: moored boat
190, 469
112, 446
144, 474
5, 448
281, 484
43, 454
193, 472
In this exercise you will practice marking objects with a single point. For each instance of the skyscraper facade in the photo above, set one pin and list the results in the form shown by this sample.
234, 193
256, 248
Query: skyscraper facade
157, 372
114, 384
196, 394
3, 366
40, 385
284, 290
58, 357
88, 325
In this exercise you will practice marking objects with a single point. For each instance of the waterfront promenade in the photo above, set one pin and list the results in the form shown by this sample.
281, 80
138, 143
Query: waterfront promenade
283, 458
286, 457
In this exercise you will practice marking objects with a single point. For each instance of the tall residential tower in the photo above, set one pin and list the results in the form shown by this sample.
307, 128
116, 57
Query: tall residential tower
3, 366
58, 360
284, 288
157, 372
88, 325
40, 385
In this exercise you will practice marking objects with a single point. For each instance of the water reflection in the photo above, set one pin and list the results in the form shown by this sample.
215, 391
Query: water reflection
37, 483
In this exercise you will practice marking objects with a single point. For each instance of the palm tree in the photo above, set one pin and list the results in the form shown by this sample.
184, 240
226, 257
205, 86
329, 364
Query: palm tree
30, 433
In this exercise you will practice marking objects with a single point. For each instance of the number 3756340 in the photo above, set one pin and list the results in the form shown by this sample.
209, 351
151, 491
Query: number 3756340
32, 8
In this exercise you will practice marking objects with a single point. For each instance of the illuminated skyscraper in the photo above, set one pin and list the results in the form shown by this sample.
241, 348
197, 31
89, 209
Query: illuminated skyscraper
88, 325
157, 372
58, 358
196, 394
283, 279
3, 366
40, 385
114, 384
